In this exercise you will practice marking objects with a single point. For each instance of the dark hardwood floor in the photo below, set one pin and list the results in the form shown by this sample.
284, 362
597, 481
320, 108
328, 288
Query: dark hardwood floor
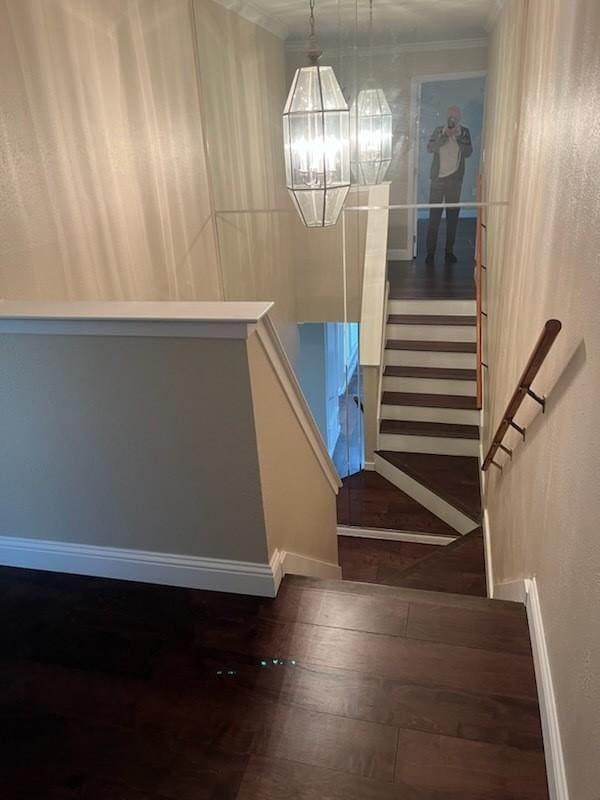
453, 478
367, 500
458, 567
415, 280
376, 560
122, 691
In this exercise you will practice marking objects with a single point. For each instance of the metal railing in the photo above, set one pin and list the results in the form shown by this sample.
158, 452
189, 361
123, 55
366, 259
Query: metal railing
540, 351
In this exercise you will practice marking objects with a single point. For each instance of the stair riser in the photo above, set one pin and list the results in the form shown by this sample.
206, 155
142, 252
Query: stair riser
429, 358
438, 307
427, 498
429, 386
431, 333
428, 444
461, 416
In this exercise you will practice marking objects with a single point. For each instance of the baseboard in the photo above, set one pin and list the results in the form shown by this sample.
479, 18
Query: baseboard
394, 536
515, 591
294, 564
369, 466
555, 766
487, 553
169, 569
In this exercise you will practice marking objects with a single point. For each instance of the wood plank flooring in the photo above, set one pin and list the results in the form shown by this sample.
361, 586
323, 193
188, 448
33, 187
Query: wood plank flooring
415, 280
367, 500
122, 691
454, 478
458, 567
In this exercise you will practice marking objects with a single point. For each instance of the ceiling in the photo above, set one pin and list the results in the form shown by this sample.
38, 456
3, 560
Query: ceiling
394, 21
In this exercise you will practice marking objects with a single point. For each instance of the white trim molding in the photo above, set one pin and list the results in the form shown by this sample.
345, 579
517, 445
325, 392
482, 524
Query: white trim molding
213, 320
295, 564
257, 15
391, 49
487, 552
274, 350
395, 536
525, 591
168, 569
555, 765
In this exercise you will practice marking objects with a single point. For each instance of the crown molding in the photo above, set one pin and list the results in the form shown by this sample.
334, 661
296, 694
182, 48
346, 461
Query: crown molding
495, 12
255, 14
389, 49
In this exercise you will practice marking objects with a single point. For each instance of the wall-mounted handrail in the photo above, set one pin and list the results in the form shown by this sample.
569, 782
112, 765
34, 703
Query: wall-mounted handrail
540, 351
479, 294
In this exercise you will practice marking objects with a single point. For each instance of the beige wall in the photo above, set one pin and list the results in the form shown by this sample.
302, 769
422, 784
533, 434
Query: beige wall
104, 181
543, 262
299, 502
109, 188
132, 443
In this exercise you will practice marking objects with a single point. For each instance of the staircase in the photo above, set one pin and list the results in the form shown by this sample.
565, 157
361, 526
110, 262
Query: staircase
428, 438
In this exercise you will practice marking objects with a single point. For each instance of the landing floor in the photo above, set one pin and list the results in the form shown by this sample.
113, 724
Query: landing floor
416, 280
121, 691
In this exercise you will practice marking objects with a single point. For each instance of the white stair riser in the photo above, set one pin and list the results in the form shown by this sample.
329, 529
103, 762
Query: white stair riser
427, 498
429, 386
429, 358
428, 444
460, 416
436, 307
431, 333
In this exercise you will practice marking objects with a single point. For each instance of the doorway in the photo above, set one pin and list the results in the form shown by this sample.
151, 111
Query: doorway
432, 96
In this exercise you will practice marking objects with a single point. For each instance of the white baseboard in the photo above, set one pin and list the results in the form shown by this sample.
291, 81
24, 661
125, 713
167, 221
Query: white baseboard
525, 591
394, 536
487, 552
369, 466
169, 569
555, 766
515, 591
294, 564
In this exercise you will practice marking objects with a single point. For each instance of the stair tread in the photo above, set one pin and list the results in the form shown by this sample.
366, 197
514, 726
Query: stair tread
463, 558
453, 478
442, 429
429, 400
368, 500
432, 373
430, 319
408, 594
435, 347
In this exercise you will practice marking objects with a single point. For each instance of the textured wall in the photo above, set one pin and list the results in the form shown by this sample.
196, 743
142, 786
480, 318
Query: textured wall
132, 443
104, 183
543, 262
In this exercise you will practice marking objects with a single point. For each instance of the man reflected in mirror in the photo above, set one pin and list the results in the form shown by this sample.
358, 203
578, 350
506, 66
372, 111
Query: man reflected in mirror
450, 145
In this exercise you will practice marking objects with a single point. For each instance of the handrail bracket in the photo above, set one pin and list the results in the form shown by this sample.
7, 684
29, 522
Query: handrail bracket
518, 428
538, 399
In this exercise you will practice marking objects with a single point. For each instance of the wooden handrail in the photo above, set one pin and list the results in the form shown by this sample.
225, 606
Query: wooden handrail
540, 351
478, 295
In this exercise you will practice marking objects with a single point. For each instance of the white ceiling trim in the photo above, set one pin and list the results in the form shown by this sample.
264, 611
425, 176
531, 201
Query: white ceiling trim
255, 14
405, 47
493, 15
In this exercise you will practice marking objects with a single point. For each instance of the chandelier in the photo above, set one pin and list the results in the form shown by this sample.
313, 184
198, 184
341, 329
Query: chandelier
316, 139
371, 127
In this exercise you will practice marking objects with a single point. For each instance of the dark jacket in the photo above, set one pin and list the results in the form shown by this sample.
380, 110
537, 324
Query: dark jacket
438, 138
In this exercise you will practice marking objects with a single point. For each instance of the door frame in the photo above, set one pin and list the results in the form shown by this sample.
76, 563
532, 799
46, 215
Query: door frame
416, 83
